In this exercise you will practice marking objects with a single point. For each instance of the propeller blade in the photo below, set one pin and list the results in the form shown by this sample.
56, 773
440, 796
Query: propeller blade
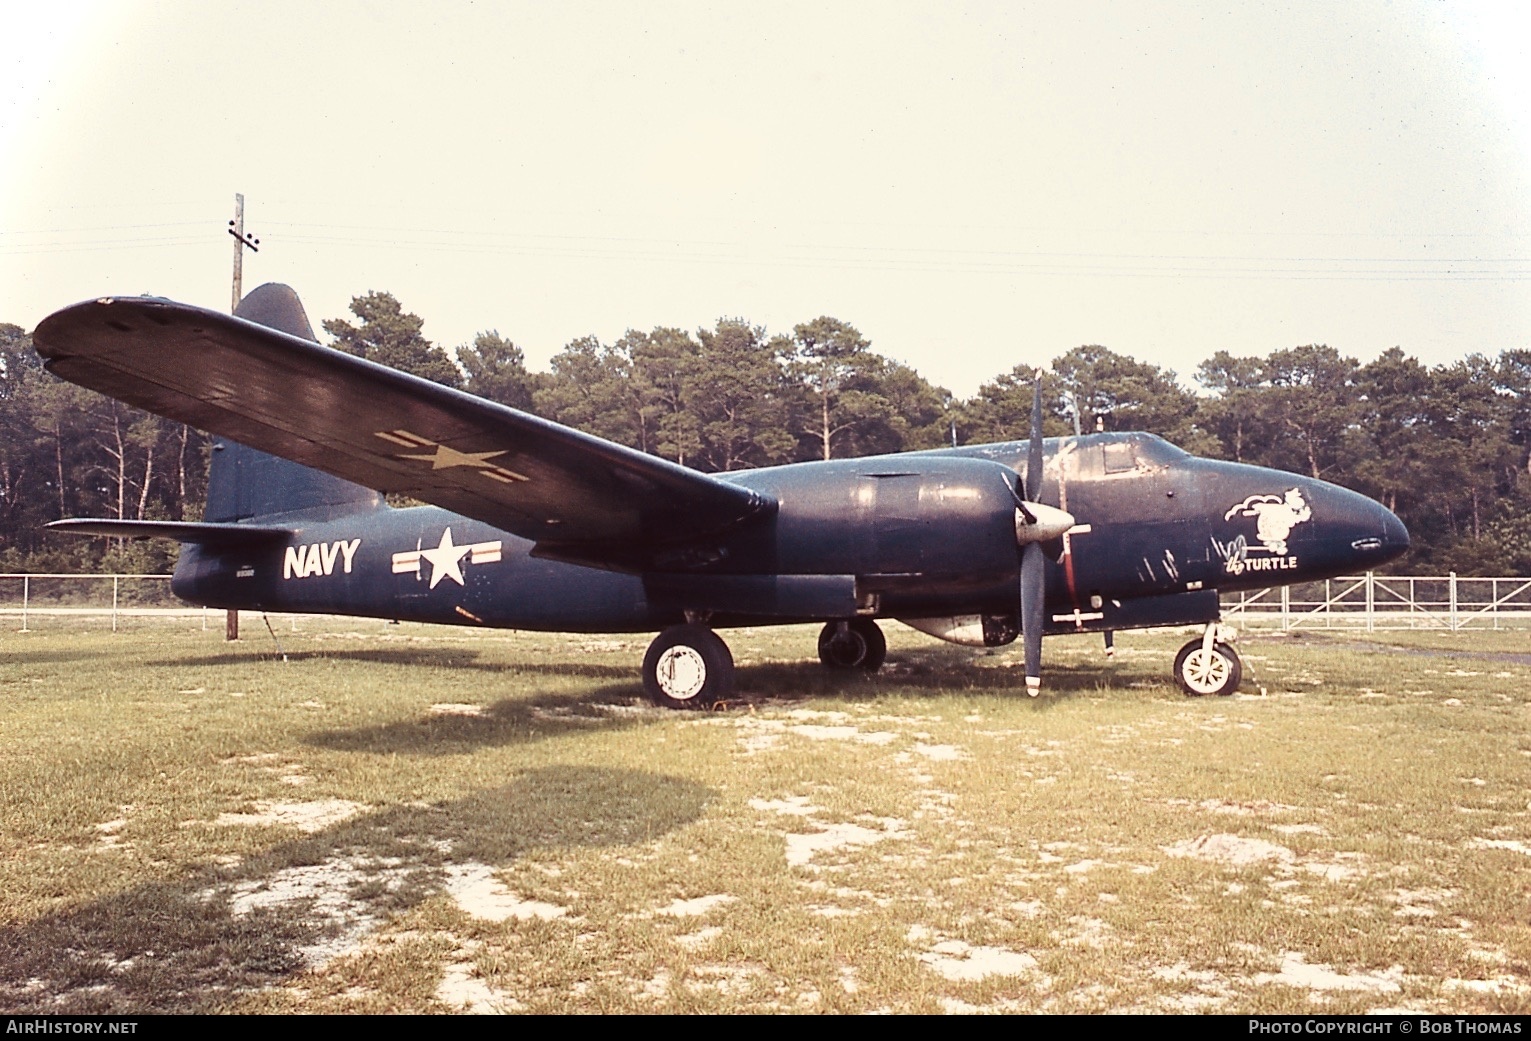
1036, 521
1033, 594
1020, 504
1034, 456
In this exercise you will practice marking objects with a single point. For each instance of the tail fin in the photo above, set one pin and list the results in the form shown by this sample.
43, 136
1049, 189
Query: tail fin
243, 483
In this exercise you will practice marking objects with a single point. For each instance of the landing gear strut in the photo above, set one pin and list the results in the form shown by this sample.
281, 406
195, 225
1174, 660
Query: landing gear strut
688, 666
854, 644
1208, 666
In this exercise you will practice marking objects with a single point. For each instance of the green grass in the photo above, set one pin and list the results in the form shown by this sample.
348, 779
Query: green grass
1354, 839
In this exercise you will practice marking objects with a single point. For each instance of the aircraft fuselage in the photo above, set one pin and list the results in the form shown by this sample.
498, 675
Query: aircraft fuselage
912, 536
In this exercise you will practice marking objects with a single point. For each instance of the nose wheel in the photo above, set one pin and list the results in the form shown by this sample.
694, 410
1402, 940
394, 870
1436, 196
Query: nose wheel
854, 644
1208, 667
688, 666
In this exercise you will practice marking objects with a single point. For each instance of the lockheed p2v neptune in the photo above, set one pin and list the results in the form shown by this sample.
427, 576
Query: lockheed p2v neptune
533, 525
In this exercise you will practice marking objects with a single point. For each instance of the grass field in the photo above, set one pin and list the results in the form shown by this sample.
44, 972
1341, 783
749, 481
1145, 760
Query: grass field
402, 818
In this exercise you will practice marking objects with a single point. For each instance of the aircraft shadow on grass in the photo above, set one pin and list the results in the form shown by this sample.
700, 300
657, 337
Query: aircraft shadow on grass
426, 658
507, 722
187, 945
45, 657
935, 674
607, 708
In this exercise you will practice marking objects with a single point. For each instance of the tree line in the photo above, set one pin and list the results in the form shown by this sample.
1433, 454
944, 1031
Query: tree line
1448, 448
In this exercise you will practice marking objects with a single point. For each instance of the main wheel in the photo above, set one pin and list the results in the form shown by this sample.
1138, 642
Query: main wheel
856, 644
688, 666
1200, 672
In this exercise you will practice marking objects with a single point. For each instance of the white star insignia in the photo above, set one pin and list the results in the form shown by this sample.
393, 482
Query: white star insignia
446, 560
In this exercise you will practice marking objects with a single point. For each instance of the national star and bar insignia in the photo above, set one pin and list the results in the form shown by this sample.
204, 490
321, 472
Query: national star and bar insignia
444, 457
446, 558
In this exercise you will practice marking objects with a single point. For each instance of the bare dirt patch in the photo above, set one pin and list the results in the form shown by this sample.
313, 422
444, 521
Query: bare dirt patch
463, 990
802, 848
455, 708
1232, 850
310, 817
479, 894
962, 962
696, 906
326, 894
1297, 972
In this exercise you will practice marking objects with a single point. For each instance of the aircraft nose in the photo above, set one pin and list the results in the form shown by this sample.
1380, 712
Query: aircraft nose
1395, 537
1301, 529
1373, 533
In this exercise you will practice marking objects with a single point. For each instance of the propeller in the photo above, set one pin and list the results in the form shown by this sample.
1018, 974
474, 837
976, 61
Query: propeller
1035, 523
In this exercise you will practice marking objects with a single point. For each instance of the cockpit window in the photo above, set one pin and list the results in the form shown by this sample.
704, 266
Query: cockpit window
1108, 454
1119, 457
1153, 450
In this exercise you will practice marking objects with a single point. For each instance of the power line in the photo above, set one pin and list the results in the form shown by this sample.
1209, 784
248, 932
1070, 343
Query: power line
101, 227
854, 256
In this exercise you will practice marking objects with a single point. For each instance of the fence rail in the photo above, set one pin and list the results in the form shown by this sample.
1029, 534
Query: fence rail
1370, 602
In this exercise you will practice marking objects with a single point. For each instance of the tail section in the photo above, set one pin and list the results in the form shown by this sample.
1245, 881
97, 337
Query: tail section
243, 483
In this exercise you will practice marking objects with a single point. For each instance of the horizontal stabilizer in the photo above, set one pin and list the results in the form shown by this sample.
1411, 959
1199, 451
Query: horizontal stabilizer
181, 531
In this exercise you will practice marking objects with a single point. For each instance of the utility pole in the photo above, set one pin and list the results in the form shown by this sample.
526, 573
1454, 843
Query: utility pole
242, 240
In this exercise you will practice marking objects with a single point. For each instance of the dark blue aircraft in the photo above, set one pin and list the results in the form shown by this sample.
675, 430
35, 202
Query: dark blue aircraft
533, 525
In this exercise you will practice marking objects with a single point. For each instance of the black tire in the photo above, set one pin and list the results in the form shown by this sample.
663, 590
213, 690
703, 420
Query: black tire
1219, 673
688, 666
860, 646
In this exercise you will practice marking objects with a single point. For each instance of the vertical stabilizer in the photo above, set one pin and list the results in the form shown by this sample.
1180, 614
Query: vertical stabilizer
243, 483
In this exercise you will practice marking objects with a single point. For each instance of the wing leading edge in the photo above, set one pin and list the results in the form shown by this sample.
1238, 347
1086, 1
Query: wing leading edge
576, 495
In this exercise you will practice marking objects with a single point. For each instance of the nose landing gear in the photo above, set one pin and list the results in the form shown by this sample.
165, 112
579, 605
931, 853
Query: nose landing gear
1208, 666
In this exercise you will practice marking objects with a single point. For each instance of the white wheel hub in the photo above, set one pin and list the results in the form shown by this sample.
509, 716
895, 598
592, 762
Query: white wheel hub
681, 672
1206, 671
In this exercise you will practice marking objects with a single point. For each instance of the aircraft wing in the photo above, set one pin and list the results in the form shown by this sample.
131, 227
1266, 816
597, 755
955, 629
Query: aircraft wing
576, 495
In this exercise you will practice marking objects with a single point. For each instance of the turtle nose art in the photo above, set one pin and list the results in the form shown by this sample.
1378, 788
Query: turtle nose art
1298, 529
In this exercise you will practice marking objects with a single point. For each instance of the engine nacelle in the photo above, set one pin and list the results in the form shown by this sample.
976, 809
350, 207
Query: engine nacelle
949, 521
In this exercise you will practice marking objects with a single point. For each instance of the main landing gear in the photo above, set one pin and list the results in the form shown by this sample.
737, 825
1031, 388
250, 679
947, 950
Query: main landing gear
855, 644
688, 666
1206, 666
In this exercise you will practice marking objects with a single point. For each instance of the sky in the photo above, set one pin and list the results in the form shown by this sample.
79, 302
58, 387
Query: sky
973, 186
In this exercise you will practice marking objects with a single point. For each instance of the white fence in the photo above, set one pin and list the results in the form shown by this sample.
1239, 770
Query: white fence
1369, 602
30, 599
1373, 602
